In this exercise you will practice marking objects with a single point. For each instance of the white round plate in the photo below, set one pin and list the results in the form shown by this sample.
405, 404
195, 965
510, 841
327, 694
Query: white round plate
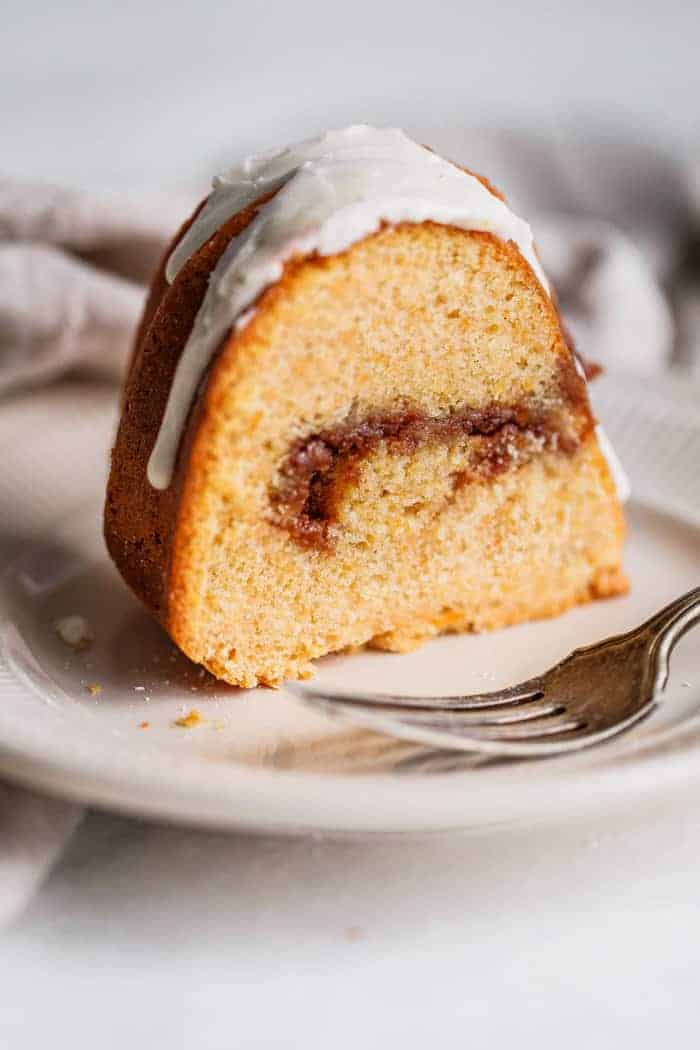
100, 725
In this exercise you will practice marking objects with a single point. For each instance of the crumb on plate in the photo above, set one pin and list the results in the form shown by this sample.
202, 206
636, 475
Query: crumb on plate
190, 720
74, 631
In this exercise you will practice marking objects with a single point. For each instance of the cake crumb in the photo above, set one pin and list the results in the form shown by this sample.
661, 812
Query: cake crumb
190, 720
144, 725
686, 685
354, 933
74, 631
94, 688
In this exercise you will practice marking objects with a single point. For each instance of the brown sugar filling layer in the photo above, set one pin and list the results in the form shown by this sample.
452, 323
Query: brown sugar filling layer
318, 468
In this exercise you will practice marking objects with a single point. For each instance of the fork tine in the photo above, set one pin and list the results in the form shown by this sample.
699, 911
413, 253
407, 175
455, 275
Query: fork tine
528, 741
559, 739
552, 727
517, 694
421, 725
500, 715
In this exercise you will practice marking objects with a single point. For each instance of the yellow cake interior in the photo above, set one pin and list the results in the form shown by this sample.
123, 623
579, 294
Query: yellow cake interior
412, 533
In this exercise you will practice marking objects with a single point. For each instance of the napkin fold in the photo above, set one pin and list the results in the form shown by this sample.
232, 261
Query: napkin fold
33, 832
617, 231
73, 273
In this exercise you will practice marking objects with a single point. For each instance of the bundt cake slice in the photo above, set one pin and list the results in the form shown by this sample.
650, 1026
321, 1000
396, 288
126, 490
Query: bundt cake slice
352, 418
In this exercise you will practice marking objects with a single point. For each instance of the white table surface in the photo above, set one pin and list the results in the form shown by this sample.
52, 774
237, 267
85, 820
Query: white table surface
579, 936
576, 937
118, 94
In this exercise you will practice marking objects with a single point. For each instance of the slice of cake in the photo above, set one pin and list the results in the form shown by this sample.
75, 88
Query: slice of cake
352, 418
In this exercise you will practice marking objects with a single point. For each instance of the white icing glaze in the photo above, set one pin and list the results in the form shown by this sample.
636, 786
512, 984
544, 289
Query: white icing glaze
335, 190
617, 471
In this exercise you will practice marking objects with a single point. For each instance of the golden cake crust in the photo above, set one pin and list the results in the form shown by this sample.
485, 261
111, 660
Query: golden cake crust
140, 520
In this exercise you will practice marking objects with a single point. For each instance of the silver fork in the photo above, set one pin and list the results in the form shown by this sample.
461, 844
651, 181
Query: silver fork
595, 693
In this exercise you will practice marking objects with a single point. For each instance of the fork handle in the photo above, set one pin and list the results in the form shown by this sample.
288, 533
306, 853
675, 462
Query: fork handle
668, 626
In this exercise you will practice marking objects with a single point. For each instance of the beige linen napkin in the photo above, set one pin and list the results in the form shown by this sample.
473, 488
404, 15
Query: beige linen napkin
33, 830
63, 432
73, 268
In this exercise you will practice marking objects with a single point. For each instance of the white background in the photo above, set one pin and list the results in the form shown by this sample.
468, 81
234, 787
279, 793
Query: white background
578, 936
121, 93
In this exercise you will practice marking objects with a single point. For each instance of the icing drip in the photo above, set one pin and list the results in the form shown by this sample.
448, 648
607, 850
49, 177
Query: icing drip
332, 192
617, 471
